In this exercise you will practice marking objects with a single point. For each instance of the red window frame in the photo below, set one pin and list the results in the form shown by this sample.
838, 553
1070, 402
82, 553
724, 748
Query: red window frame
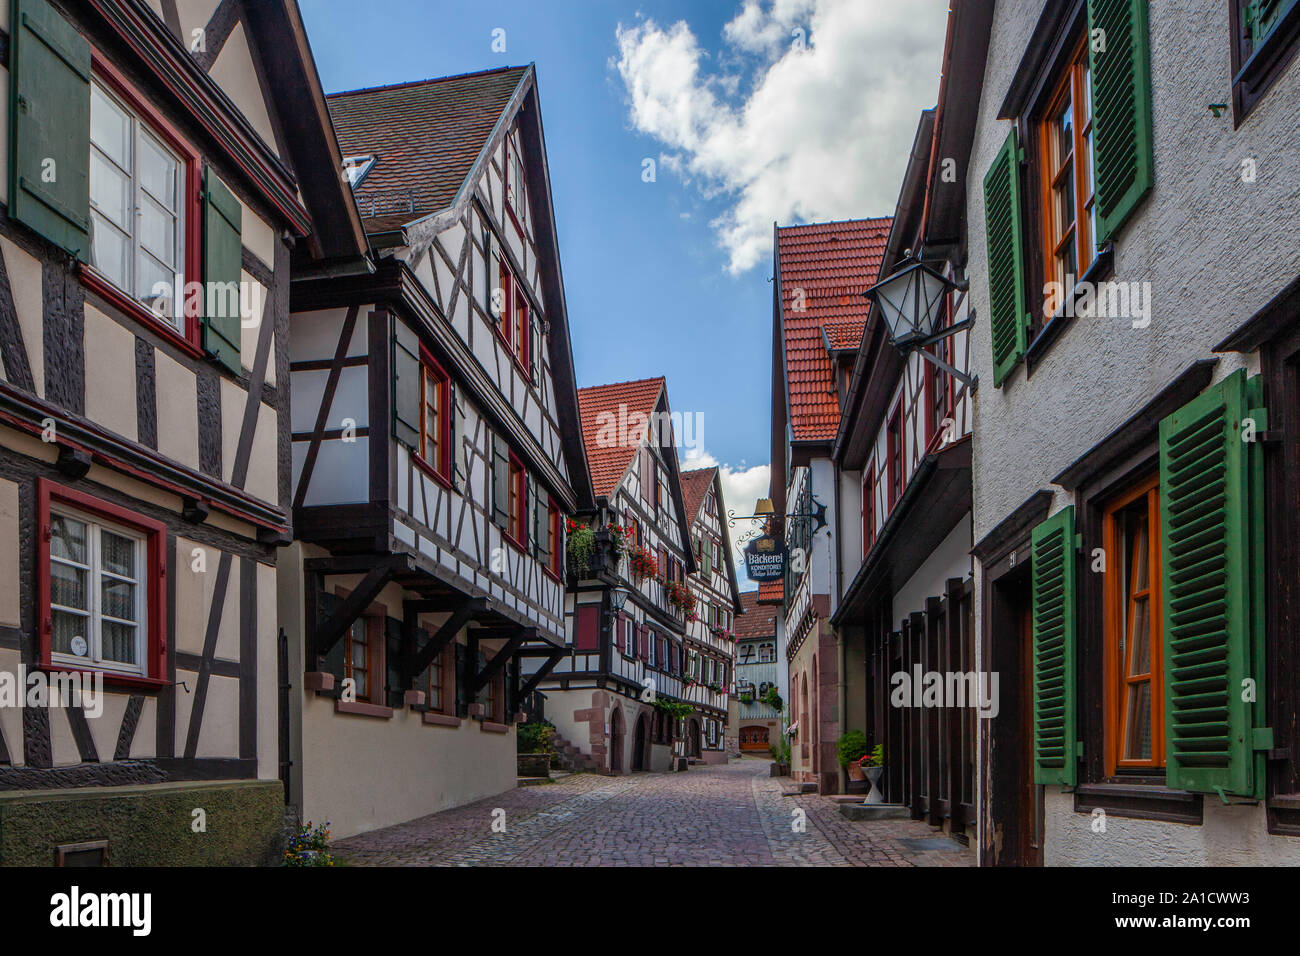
440, 469
894, 445
154, 583
513, 327
192, 341
522, 329
517, 526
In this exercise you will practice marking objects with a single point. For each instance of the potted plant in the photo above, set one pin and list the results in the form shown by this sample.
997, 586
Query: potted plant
309, 846
580, 547
773, 699
681, 596
873, 765
850, 748
644, 564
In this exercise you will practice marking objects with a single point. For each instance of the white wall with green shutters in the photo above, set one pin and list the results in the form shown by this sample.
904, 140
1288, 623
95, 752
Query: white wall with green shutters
1215, 249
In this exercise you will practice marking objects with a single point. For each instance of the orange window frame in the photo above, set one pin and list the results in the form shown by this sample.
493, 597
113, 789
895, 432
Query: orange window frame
1117, 621
1072, 88
439, 666
374, 663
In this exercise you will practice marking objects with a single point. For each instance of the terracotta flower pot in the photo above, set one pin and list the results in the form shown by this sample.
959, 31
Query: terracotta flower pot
855, 771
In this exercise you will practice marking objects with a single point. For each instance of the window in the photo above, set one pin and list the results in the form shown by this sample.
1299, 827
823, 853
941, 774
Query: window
517, 525
1134, 665
766, 653
138, 188
514, 182
101, 586
940, 386
494, 698
435, 416
747, 654
358, 653
435, 682
555, 542
1265, 35
894, 441
1066, 173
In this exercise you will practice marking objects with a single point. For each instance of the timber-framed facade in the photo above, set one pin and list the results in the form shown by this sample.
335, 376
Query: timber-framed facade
156, 197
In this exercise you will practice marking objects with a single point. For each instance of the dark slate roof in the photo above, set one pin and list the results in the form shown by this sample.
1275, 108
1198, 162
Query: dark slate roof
426, 136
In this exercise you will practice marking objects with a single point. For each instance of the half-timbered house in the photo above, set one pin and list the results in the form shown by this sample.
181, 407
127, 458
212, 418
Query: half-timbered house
754, 720
818, 316
1135, 506
626, 617
709, 671
436, 456
903, 449
165, 166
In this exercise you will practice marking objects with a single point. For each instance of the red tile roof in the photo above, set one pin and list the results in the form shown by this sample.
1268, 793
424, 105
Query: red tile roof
425, 135
771, 592
824, 268
695, 485
757, 620
608, 460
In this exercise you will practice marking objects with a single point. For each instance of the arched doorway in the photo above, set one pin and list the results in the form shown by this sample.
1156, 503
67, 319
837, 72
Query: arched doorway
692, 738
753, 739
641, 744
616, 740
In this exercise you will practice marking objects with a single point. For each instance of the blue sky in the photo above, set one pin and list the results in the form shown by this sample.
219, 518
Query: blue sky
800, 110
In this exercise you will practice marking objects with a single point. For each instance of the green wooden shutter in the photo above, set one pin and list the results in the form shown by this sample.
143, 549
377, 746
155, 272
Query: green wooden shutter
395, 680
1005, 226
500, 482
1212, 590
534, 348
1121, 109
406, 386
1262, 16
461, 677
49, 129
222, 262
1053, 582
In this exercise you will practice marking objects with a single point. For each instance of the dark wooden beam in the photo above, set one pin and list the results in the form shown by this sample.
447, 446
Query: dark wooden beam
498, 661
541, 673
334, 626
447, 633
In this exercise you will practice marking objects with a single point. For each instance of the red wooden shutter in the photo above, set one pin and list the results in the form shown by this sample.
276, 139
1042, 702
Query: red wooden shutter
587, 631
644, 643
619, 624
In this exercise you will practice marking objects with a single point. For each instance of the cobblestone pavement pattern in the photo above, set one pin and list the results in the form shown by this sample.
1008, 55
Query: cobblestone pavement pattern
722, 815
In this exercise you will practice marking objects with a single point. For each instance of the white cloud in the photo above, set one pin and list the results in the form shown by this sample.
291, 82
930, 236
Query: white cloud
741, 489
825, 128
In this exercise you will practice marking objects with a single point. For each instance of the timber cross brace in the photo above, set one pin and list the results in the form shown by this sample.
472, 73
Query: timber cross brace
379, 570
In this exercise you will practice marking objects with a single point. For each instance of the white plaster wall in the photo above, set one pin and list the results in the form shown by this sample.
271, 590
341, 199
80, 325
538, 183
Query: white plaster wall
1229, 836
1214, 249
361, 773
950, 559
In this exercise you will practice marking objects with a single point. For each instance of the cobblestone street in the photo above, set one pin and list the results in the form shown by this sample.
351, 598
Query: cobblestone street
729, 815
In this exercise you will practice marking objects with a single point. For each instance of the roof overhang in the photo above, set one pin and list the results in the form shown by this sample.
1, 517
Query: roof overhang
934, 501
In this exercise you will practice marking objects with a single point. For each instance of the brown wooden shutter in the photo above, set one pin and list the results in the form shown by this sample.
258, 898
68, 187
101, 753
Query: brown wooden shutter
586, 628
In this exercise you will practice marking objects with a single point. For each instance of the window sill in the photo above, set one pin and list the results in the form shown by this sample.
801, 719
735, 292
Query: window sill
553, 574
363, 709
1102, 268
492, 727
439, 720
97, 283
111, 678
430, 470
1140, 801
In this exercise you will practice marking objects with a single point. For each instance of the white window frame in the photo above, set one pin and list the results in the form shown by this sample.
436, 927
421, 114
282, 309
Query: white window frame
139, 129
95, 573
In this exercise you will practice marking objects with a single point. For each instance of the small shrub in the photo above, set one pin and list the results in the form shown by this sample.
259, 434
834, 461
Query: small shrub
309, 846
851, 747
